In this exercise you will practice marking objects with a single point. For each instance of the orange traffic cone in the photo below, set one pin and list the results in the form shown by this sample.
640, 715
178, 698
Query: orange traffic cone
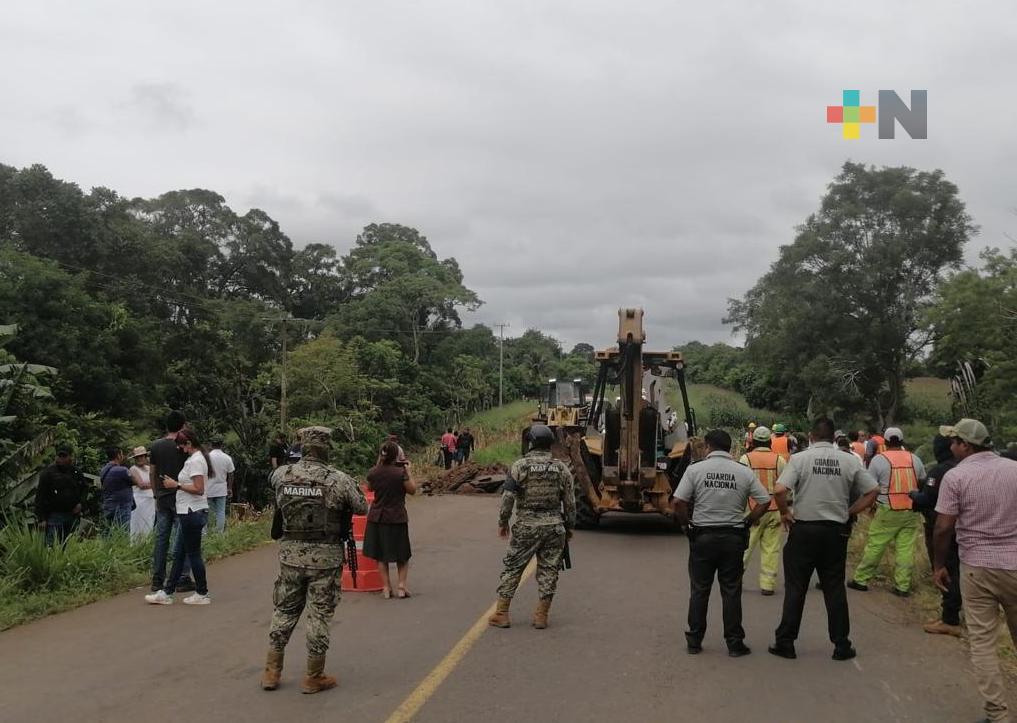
368, 575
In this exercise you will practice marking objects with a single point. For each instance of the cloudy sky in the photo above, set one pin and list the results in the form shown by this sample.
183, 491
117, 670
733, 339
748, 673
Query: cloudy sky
573, 156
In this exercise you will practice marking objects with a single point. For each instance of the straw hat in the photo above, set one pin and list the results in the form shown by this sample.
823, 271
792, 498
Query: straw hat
137, 452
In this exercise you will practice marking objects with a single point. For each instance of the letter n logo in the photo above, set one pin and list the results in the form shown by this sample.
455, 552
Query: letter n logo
914, 120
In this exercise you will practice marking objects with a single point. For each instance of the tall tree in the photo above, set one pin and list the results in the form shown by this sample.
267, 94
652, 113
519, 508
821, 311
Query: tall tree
837, 319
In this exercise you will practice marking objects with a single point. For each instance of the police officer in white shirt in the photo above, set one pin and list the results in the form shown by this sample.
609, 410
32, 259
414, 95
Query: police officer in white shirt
718, 488
830, 488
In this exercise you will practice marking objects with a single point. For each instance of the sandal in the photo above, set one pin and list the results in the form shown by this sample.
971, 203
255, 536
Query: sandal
387, 594
402, 593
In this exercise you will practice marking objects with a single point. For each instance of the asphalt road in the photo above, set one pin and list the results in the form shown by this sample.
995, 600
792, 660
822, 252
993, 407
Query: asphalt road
614, 650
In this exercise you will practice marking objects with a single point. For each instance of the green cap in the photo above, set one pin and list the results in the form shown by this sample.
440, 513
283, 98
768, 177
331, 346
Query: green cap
780, 428
969, 430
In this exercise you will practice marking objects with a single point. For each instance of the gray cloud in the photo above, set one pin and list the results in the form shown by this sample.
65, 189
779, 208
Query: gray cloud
573, 156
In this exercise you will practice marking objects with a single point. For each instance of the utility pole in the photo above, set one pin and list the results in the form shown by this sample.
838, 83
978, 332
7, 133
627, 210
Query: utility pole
283, 320
501, 363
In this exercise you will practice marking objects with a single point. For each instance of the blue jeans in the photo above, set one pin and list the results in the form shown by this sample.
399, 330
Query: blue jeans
165, 526
189, 545
118, 516
217, 513
58, 526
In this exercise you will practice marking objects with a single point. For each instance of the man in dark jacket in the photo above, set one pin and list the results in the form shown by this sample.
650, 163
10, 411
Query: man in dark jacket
58, 497
925, 502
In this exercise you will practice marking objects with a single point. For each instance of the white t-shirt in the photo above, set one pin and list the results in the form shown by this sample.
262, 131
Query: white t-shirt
222, 463
142, 472
194, 466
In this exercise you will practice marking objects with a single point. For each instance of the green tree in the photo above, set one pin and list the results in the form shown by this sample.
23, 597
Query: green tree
838, 318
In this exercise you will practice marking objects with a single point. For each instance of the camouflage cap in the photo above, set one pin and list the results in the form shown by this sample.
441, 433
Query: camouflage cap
315, 436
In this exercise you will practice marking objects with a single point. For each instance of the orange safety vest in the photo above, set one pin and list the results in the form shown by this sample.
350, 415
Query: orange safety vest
903, 478
764, 464
858, 448
781, 445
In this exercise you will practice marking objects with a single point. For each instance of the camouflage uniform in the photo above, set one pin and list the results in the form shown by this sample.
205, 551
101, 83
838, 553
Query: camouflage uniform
541, 489
313, 498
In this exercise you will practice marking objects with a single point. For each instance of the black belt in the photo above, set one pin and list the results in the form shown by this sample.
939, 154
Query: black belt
719, 528
823, 523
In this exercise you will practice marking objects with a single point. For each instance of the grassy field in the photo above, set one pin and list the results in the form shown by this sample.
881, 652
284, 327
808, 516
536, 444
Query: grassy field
36, 580
497, 432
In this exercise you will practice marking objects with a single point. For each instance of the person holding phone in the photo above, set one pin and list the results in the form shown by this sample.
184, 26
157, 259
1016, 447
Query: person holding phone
387, 537
192, 512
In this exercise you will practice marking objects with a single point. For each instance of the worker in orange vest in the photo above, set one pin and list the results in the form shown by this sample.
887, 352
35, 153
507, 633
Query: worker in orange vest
898, 472
857, 444
766, 533
780, 442
876, 444
748, 436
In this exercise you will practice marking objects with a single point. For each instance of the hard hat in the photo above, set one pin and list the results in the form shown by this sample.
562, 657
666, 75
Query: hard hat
540, 436
762, 434
780, 428
752, 425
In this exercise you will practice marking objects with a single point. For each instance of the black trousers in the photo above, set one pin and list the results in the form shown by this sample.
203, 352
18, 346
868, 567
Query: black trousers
819, 547
716, 552
952, 596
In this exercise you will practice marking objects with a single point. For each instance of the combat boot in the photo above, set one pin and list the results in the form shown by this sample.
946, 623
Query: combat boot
540, 614
273, 669
500, 618
316, 681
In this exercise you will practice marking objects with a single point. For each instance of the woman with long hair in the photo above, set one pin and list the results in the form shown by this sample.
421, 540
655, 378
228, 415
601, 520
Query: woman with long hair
192, 512
387, 538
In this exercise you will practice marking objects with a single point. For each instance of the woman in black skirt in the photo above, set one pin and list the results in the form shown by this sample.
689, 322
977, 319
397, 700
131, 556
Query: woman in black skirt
387, 538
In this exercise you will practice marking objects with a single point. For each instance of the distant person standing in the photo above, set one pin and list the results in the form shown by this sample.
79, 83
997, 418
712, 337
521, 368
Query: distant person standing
220, 486
978, 502
166, 460
117, 496
766, 533
925, 502
718, 488
58, 497
277, 450
781, 442
448, 447
857, 444
824, 482
898, 473
143, 515
466, 443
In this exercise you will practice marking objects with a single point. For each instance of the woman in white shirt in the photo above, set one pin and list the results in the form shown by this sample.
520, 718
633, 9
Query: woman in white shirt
143, 515
192, 512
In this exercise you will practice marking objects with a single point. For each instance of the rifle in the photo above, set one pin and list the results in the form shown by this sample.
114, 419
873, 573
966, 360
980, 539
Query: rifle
351, 557
566, 558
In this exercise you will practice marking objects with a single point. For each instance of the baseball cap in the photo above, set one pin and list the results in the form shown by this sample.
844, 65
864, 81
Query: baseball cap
968, 430
893, 433
762, 434
780, 428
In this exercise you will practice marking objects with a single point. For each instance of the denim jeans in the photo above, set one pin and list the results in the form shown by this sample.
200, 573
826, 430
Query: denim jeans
118, 516
188, 545
165, 526
217, 513
58, 526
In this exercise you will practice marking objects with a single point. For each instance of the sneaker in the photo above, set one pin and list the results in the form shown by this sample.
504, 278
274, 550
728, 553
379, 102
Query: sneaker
857, 586
845, 653
938, 627
901, 593
197, 599
159, 597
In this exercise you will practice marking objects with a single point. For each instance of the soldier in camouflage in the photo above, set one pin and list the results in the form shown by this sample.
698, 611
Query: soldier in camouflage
314, 505
541, 489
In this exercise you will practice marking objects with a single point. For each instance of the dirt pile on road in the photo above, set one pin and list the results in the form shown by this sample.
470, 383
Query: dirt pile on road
466, 479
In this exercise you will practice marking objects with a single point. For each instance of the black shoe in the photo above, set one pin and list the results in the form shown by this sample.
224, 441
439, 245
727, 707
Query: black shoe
857, 586
901, 593
693, 649
783, 651
185, 585
766, 593
844, 653
737, 651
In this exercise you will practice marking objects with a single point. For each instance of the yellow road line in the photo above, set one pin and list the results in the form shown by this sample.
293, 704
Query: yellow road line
429, 685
